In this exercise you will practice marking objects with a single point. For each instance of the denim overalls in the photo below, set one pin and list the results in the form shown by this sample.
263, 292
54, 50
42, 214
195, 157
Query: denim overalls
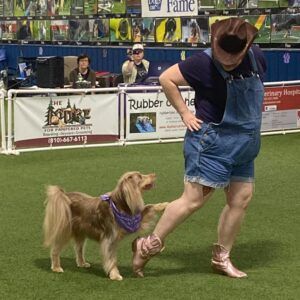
219, 153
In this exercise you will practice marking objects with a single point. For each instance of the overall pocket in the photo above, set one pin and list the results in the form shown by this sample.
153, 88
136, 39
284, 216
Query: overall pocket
249, 145
208, 138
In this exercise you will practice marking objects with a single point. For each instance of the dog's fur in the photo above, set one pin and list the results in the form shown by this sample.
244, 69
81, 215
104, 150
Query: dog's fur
79, 216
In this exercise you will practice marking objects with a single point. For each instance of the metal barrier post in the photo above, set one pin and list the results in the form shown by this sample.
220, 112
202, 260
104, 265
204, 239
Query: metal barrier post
122, 97
9, 122
3, 120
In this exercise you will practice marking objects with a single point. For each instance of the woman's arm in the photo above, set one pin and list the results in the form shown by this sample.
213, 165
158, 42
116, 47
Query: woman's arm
170, 80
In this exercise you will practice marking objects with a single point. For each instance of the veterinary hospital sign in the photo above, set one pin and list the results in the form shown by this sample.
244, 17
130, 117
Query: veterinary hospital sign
167, 8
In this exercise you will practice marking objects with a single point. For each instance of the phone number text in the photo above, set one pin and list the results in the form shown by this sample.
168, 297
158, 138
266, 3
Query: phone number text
68, 139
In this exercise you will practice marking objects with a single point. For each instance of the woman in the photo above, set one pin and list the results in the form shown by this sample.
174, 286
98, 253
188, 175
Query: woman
83, 73
222, 138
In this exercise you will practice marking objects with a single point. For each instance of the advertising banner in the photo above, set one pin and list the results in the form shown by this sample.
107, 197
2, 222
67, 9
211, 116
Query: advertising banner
281, 108
151, 116
65, 120
169, 8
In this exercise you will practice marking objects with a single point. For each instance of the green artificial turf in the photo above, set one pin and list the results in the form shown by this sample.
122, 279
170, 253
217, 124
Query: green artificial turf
267, 248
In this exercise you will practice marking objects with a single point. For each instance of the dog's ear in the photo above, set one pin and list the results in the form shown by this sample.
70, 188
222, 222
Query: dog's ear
132, 195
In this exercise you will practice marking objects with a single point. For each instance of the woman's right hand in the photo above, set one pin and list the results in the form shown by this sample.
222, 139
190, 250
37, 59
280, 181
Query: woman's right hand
191, 121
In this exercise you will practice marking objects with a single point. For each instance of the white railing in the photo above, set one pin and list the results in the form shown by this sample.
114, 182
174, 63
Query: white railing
130, 107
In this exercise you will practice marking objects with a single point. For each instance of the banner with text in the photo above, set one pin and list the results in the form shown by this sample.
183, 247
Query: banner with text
65, 120
169, 8
281, 108
151, 116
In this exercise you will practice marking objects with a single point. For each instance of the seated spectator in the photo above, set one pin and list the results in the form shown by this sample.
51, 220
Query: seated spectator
135, 69
83, 76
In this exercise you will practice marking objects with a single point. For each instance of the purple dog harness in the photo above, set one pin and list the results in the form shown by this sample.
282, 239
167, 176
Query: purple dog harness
127, 222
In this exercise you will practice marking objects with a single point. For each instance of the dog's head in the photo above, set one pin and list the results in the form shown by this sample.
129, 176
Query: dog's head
128, 192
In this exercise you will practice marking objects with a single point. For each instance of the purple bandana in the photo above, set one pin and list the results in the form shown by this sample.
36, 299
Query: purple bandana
127, 222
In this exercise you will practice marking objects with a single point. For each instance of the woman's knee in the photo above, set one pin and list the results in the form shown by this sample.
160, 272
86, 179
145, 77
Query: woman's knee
193, 204
242, 201
193, 196
240, 196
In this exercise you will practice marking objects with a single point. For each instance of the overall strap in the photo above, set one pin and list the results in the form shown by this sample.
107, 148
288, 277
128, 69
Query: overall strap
219, 67
253, 61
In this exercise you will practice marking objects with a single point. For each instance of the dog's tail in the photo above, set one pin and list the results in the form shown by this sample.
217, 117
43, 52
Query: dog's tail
57, 222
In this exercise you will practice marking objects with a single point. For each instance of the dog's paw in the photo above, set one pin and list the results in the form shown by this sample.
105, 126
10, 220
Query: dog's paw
118, 277
161, 206
57, 269
84, 265
115, 275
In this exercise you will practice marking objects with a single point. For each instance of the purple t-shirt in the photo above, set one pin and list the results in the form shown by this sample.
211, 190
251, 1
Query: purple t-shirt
210, 87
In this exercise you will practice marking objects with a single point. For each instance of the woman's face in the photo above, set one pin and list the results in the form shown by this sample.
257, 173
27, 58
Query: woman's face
83, 63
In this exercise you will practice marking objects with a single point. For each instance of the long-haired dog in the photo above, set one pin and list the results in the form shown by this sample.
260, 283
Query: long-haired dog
106, 219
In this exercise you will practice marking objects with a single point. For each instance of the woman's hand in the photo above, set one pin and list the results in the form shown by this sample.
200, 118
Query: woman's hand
190, 121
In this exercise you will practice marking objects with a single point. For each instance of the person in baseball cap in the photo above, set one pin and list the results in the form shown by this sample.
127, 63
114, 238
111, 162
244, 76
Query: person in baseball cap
137, 47
135, 69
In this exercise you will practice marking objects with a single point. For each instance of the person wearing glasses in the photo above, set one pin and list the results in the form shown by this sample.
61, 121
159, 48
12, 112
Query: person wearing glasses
83, 76
135, 69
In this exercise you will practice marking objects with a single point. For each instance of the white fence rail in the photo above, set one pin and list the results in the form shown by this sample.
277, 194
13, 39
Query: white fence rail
42, 119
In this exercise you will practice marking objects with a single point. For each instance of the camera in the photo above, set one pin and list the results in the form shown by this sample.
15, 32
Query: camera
129, 54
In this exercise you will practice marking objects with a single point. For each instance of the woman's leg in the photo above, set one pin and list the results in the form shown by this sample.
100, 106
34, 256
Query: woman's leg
193, 197
238, 196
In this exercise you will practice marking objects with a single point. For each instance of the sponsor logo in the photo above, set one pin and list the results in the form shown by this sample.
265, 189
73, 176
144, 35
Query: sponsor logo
286, 58
181, 5
270, 107
175, 6
154, 5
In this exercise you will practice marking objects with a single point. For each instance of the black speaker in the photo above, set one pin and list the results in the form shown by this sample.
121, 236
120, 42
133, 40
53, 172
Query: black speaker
50, 72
